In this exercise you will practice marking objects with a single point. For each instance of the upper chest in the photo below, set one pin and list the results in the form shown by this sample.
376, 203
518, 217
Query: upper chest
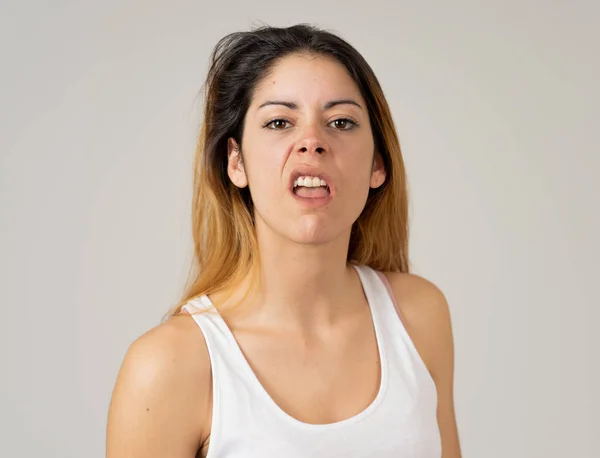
319, 378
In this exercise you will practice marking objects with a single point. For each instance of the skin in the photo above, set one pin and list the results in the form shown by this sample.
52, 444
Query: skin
308, 333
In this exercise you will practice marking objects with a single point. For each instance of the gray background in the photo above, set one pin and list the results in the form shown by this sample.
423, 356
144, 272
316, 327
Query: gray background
497, 108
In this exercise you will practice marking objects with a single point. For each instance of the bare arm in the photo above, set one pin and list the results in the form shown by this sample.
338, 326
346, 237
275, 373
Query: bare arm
161, 399
426, 316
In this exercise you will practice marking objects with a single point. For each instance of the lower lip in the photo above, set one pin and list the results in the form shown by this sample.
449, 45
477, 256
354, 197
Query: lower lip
312, 202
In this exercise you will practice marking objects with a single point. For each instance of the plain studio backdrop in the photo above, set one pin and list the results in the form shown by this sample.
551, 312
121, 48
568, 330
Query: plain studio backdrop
497, 110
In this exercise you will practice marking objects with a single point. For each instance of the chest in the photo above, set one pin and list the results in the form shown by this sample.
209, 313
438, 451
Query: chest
318, 379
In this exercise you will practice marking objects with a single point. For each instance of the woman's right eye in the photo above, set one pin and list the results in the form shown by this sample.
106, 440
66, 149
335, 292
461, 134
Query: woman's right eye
276, 124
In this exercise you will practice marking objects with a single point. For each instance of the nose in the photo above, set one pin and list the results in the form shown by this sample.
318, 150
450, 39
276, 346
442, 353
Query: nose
312, 141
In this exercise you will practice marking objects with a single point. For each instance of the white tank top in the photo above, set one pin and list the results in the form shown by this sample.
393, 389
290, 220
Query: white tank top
400, 422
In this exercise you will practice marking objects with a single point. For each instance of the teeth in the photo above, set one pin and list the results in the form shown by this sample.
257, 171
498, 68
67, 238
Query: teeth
309, 182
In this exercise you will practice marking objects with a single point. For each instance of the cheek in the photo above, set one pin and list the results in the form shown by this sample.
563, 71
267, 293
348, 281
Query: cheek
355, 169
264, 173
358, 190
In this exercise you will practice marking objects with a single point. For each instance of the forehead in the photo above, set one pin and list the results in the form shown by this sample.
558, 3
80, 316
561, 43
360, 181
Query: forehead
307, 78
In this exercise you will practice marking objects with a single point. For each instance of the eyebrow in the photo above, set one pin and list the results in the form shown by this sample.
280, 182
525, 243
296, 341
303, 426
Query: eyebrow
294, 106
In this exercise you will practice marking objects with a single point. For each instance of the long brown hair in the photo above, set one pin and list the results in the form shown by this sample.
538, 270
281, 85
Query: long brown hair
225, 244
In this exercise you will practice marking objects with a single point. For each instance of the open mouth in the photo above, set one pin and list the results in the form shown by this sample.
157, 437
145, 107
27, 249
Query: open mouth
316, 192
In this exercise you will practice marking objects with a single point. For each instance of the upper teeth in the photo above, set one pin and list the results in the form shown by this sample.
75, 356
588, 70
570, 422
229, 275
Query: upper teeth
309, 182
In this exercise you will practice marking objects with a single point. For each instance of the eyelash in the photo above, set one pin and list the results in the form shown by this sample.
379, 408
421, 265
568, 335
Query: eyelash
353, 123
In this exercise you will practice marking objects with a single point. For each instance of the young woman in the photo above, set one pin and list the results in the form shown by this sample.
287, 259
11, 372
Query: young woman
302, 332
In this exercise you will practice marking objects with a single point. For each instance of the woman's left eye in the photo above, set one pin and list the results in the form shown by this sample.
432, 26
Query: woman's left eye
344, 123
339, 124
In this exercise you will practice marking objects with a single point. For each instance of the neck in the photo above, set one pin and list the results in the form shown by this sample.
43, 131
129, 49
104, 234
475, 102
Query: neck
303, 287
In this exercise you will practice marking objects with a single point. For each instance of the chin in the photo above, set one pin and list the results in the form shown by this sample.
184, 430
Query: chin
313, 234
320, 239
306, 230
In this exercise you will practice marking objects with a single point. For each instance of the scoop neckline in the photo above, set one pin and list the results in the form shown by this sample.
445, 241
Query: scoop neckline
363, 414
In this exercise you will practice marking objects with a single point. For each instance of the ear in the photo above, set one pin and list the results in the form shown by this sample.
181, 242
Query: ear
378, 171
235, 165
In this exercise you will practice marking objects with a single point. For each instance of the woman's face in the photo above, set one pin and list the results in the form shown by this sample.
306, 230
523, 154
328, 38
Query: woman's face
292, 123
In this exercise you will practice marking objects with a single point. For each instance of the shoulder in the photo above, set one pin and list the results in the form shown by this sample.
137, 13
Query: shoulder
162, 393
174, 349
425, 313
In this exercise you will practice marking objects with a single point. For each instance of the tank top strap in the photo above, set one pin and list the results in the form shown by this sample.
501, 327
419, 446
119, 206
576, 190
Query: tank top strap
396, 339
209, 320
379, 295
